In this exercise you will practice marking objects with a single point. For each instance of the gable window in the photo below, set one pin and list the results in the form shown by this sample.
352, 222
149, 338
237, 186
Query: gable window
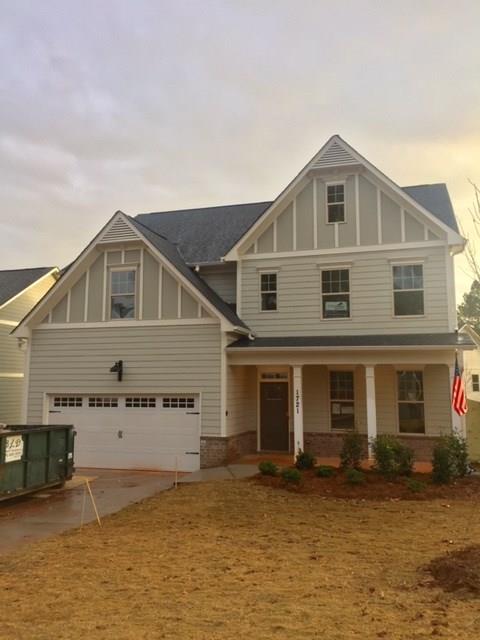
475, 382
268, 291
342, 405
336, 293
408, 290
335, 203
122, 293
411, 410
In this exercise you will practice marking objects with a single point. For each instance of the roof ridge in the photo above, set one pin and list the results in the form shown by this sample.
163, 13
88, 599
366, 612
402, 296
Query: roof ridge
191, 209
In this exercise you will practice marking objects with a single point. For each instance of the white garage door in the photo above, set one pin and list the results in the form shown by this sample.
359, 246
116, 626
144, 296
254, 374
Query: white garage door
132, 431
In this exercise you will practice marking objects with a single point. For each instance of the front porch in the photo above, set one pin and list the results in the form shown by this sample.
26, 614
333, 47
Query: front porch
278, 403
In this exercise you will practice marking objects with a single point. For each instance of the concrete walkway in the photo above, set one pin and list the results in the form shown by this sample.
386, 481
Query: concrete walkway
56, 510
230, 472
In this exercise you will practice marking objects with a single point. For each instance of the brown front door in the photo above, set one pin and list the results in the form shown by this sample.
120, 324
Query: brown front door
274, 416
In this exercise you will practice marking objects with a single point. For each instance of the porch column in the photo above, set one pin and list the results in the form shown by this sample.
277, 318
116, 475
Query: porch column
371, 406
458, 422
297, 410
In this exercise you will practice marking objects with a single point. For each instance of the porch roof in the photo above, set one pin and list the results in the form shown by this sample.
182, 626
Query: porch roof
453, 340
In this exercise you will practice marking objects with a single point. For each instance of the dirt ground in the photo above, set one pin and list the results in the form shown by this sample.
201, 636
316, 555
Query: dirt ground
237, 560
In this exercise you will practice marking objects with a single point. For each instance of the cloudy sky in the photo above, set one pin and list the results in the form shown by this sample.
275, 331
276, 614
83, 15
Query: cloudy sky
146, 105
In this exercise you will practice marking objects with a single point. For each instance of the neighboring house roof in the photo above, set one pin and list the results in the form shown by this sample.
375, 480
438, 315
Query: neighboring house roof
167, 249
204, 236
14, 281
400, 340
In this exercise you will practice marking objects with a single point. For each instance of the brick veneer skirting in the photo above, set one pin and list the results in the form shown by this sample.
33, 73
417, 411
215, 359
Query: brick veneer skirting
215, 451
329, 445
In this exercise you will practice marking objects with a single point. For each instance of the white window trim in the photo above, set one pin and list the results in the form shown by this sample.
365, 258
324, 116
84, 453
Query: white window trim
397, 369
407, 264
335, 268
111, 270
333, 184
265, 272
354, 400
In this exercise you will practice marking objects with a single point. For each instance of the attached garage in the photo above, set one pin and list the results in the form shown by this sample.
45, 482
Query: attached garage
158, 432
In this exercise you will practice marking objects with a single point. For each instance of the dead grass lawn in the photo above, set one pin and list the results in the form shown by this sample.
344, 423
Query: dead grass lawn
236, 560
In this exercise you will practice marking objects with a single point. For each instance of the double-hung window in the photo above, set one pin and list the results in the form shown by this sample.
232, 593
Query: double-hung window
408, 290
411, 410
335, 203
475, 382
342, 405
268, 291
336, 293
122, 293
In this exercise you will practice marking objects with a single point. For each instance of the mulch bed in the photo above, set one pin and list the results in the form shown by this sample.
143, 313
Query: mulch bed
376, 487
457, 571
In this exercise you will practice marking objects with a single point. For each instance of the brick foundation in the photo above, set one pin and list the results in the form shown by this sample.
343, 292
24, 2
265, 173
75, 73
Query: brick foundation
215, 451
329, 445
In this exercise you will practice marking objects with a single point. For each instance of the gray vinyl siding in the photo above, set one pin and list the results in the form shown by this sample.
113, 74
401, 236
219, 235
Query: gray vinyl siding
371, 297
316, 401
241, 399
11, 356
223, 280
11, 394
156, 359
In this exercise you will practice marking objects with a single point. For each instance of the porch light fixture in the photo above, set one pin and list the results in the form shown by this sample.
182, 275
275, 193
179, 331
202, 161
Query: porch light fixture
118, 369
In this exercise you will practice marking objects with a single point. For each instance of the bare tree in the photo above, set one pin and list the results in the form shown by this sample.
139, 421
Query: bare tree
471, 250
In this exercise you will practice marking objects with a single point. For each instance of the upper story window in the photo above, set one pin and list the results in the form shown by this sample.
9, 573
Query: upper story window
268, 291
335, 203
342, 400
122, 293
475, 382
336, 293
408, 290
411, 411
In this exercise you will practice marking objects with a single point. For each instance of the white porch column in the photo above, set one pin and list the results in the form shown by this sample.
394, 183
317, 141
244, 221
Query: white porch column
297, 410
458, 422
371, 406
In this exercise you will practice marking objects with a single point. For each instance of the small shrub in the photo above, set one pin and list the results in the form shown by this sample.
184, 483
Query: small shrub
450, 459
392, 457
291, 476
324, 471
352, 450
354, 476
268, 468
304, 460
416, 486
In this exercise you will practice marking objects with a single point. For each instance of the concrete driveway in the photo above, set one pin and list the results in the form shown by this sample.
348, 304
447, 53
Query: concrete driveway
48, 513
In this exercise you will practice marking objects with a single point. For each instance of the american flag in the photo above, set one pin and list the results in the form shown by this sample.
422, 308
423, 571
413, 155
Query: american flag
459, 399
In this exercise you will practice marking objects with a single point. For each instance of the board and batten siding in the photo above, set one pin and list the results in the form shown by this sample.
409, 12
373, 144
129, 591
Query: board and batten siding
241, 399
316, 401
372, 217
223, 280
157, 359
299, 297
159, 295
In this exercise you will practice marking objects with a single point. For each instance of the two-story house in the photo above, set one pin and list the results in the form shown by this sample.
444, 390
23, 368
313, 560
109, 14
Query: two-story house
188, 338
20, 290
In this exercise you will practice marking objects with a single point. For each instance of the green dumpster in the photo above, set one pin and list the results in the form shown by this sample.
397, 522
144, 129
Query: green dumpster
34, 457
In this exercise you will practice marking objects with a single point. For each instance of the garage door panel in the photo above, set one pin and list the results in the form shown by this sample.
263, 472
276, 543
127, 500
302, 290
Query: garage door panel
133, 431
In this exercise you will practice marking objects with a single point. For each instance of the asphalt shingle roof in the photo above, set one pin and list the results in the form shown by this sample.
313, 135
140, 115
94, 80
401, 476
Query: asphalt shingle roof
397, 340
205, 235
13, 281
167, 249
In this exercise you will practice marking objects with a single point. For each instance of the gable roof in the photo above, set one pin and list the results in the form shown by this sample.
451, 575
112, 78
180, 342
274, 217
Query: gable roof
14, 281
170, 252
206, 235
